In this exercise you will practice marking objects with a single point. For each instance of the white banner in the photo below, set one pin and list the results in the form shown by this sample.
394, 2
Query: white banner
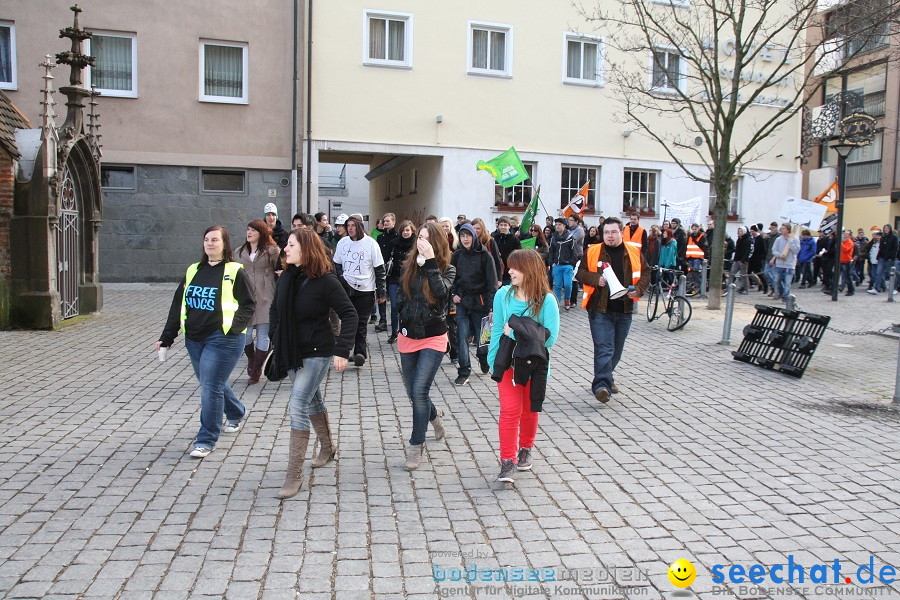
688, 212
802, 212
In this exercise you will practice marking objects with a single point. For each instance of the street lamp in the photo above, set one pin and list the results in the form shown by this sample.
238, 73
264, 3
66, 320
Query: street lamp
843, 149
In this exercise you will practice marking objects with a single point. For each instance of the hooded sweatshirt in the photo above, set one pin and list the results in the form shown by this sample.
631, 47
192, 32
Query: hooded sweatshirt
476, 275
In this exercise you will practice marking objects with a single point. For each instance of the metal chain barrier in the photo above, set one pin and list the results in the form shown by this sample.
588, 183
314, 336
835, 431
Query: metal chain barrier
792, 305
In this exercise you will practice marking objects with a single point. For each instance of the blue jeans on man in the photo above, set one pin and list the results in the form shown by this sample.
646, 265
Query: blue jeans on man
562, 282
393, 289
781, 281
882, 274
213, 359
468, 322
608, 331
419, 369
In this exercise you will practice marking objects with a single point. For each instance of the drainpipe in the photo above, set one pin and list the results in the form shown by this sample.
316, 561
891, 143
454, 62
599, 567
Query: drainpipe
309, 107
294, 110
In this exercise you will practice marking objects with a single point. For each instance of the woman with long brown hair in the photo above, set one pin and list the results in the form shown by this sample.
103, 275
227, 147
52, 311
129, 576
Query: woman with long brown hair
422, 302
522, 383
259, 255
212, 308
305, 344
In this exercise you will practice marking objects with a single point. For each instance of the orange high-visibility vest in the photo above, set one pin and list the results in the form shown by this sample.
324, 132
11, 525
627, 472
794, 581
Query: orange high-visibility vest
693, 250
593, 260
633, 239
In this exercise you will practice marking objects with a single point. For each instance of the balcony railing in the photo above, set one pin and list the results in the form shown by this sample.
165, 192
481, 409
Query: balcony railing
865, 174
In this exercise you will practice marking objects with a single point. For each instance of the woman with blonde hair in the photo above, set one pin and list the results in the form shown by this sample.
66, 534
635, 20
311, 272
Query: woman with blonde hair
259, 255
422, 302
526, 312
450, 230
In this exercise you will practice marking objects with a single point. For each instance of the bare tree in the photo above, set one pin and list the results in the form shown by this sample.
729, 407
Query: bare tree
725, 76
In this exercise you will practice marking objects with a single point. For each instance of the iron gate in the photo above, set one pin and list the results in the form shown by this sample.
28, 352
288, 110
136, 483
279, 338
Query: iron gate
67, 248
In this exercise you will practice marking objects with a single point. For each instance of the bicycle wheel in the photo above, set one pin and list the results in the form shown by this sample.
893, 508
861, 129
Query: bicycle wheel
652, 303
679, 313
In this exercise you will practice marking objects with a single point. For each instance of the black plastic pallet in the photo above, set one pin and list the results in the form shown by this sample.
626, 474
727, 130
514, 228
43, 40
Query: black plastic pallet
781, 340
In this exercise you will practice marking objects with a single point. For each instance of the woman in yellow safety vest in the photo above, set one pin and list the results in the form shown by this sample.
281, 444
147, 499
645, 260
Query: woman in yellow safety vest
212, 307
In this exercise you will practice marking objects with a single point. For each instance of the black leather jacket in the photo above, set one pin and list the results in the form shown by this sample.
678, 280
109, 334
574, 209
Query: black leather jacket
418, 318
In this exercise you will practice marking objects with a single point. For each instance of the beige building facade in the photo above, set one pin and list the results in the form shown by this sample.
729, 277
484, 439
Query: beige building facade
420, 92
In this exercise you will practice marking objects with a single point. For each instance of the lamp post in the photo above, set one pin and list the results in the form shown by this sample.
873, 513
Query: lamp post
843, 150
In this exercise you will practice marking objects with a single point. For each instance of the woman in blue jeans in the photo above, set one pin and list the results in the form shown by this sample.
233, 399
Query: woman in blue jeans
212, 307
422, 302
305, 345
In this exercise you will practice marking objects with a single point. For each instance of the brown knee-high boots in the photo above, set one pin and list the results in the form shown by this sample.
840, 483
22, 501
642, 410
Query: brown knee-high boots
254, 369
327, 445
294, 477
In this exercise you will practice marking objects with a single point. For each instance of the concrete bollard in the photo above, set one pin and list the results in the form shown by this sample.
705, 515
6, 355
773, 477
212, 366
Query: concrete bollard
682, 284
892, 284
729, 310
704, 274
790, 302
897, 377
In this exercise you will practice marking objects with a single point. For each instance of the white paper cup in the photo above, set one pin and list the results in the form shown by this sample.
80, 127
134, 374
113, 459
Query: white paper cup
163, 352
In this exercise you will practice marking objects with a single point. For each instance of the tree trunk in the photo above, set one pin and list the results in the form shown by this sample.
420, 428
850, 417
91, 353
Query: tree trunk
717, 249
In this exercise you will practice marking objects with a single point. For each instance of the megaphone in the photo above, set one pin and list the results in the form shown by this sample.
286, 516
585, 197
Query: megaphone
616, 289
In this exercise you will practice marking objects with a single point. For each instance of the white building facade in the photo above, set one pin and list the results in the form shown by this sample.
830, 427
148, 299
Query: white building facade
421, 91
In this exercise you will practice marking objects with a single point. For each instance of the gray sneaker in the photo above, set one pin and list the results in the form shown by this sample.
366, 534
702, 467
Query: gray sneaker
524, 459
506, 471
200, 452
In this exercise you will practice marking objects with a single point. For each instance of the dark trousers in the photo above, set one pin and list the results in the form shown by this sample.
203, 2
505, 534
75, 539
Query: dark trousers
363, 302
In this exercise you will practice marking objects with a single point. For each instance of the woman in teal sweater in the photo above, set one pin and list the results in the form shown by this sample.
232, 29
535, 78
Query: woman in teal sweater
528, 295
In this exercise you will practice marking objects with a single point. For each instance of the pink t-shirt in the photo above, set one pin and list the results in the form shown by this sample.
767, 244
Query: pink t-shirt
407, 345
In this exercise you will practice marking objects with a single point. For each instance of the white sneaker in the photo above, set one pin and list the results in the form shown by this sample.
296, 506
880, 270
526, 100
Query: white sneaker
233, 426
200, 452
872, 291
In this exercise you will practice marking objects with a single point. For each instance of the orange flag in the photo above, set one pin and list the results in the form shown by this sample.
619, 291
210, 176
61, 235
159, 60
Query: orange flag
828, 198
576, 204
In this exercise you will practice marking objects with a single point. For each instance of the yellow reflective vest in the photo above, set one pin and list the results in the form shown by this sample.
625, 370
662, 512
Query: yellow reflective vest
229, 302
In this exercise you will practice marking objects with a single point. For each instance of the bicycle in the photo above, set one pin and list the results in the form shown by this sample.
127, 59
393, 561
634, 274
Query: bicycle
677, 307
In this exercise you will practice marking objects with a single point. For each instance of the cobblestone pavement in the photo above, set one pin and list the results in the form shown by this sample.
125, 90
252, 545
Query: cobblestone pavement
699, 457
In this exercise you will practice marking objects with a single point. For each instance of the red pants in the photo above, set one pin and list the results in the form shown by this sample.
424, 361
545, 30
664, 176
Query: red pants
516, 418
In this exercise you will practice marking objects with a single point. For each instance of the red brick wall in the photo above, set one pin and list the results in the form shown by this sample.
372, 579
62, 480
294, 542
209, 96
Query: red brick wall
7, 185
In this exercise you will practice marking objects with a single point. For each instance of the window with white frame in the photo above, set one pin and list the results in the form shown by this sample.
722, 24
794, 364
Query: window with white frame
7, 55
518, 195
387, 39
223, 72
490, 49
584, 59
639, 192
115, 63
667, 70
573, 179
734, 198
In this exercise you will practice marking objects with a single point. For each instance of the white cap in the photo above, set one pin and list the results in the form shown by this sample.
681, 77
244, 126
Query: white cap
270, 208
342, 219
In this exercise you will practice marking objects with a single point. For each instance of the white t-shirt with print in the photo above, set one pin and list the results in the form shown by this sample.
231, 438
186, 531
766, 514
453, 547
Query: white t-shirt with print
358, 260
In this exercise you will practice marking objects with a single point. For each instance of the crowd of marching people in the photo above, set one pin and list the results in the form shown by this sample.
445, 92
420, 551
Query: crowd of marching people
298, 302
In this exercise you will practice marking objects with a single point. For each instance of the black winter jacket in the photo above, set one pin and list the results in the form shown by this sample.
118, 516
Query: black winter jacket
889, 247
280, 235
386, 242
418, 318
476, 277
562, 249
299, 326
400, 247
506, 244
527, 355
742, 248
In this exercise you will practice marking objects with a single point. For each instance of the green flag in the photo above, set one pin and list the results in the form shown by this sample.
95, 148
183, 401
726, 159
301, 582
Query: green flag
528, 219
507, 168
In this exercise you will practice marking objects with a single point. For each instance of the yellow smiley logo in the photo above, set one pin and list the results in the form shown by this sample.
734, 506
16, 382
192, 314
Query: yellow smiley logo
682, 573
